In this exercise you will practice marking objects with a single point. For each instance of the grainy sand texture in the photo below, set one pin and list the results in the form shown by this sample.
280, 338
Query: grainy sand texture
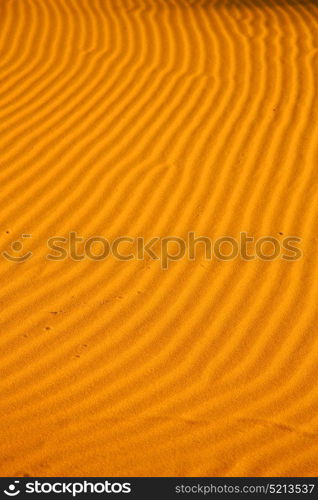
154, 118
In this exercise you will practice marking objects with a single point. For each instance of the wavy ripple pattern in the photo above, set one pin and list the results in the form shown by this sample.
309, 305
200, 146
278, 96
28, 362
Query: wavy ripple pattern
149, 118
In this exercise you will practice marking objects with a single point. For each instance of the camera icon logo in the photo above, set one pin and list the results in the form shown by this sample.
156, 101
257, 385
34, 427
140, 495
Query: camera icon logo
13, 491
17, 248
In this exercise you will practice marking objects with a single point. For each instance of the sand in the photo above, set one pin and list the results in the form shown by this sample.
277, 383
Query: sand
154, 118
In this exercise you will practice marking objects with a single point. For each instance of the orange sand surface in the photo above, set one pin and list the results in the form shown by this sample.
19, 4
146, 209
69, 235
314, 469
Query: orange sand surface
153, 118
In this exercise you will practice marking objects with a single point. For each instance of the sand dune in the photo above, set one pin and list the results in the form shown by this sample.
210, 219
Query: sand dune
155, 118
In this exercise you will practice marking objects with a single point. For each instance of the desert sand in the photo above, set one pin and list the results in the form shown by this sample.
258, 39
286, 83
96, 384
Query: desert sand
158, 117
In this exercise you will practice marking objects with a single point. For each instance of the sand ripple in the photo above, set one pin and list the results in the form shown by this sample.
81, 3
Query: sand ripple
158, 117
